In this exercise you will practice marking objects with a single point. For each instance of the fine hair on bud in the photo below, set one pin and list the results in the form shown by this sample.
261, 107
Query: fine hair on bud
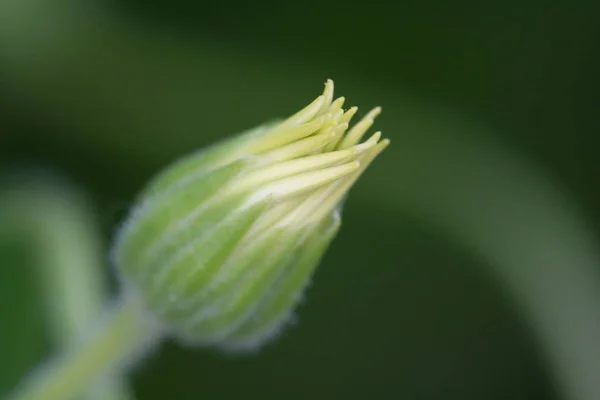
223, 243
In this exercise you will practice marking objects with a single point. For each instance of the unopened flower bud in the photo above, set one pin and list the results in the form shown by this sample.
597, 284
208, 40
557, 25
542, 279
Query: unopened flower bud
222, 244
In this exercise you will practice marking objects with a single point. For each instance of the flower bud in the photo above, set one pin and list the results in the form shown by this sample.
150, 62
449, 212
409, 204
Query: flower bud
222, 243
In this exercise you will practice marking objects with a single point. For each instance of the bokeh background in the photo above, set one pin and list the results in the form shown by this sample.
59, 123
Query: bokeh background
467, 267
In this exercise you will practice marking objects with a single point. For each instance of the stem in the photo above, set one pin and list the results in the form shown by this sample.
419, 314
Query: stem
123, 337
71, 275
60, 224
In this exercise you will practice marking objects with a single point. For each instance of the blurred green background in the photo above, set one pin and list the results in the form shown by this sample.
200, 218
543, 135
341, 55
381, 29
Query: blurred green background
431, 289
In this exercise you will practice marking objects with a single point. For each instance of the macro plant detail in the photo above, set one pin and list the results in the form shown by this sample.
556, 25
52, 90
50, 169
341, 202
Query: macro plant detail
221, 245
223, 242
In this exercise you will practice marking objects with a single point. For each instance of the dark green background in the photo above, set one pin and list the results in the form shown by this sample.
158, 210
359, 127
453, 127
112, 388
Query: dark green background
397, 309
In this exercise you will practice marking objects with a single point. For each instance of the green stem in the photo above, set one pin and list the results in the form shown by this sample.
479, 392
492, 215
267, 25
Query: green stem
60, 224
126, 333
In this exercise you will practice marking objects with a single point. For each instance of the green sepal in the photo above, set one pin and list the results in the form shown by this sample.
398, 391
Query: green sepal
276, 308
199, 260
238, 299
207, 159
157, 217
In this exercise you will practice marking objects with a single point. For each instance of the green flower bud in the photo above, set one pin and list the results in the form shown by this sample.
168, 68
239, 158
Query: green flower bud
222, 243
